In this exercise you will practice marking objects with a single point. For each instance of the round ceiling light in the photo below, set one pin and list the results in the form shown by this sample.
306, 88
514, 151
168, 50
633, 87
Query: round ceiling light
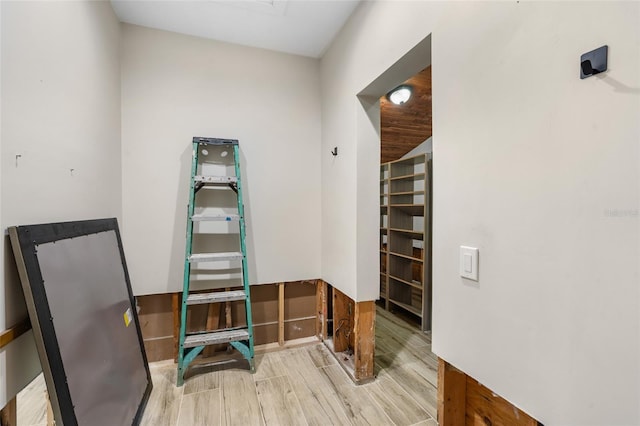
400, 94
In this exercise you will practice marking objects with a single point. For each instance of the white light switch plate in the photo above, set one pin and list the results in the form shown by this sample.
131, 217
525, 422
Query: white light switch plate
469, 263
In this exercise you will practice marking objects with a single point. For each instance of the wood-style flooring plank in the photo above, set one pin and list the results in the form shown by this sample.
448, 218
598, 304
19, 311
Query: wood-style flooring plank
397, 358
424, 367
394, 320
202, 382
400, 328
268, 365
32, 406
302, 385
165, 399
279, 403
401, 408
402, 335
239, 399
383, 343
321, 405
201, 409
430, 354
425, 370
321, 356
361, 409
424, 393
429, 422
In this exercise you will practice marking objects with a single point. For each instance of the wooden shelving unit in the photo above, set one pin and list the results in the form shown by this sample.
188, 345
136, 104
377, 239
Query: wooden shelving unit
384, 232
405, 236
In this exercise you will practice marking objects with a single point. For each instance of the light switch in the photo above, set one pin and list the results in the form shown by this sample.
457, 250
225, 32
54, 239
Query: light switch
469, 263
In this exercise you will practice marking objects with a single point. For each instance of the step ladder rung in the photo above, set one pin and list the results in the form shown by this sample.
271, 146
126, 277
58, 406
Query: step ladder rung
214, 141
216, 179
216, 337
216, 297
215, 257
215, 217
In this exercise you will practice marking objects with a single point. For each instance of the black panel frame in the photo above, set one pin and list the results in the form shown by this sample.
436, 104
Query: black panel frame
25, 241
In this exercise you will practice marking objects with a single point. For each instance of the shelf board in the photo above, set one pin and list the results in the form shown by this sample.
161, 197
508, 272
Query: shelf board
414, 209
418, 235
383, 251
409, 308
384, 230
412, 284
411, 176
407, 193
404, 256
416, 159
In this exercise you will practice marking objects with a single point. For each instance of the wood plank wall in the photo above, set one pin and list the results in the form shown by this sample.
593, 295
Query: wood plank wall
157, 325
403, 127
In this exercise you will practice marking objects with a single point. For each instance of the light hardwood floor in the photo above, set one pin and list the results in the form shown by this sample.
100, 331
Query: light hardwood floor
298, 386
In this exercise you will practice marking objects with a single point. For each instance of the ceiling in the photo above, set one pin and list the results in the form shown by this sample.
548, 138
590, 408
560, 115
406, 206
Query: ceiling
403, 127
301, 27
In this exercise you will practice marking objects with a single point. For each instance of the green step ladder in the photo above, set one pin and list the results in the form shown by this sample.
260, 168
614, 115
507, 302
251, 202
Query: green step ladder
213, 168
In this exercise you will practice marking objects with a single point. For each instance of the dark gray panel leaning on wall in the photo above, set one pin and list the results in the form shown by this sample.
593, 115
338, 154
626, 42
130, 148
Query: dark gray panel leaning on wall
79, 297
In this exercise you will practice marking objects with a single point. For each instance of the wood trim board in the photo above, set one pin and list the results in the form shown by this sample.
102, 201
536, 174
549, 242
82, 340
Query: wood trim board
12, 333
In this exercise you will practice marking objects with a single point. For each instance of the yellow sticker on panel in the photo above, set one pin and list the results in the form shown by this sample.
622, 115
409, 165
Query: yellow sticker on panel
127, 317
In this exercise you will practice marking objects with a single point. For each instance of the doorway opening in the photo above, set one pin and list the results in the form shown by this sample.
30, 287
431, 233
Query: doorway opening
403, 129
405, 202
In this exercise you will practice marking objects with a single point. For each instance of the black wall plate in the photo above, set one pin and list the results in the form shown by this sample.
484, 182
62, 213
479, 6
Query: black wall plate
594, 62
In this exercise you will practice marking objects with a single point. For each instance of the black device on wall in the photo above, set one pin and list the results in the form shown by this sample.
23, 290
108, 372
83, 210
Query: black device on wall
84, 320
594, 62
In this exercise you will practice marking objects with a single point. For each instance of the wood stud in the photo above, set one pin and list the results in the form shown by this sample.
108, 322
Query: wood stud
364, 337
452, 394
342, 321
321, 310
175, 309
281, 314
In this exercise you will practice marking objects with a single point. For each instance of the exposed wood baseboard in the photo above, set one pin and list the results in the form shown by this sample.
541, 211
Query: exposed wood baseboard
8, 415
352, 339
464, 401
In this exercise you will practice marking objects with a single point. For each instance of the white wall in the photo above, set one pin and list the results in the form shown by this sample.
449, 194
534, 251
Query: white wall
350, 194
424, 147
175, 87
60, 111
535, 167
